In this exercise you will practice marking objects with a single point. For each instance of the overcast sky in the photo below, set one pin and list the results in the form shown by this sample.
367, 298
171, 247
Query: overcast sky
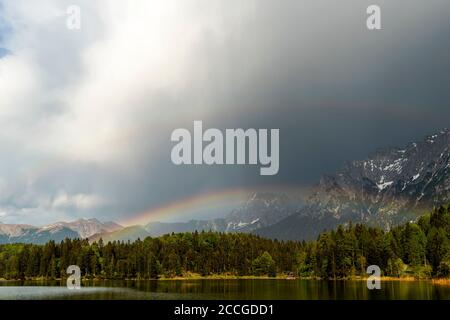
86, 115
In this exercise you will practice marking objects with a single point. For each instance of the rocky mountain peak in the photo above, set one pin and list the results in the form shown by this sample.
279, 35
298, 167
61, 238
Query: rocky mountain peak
392, 186
260, 209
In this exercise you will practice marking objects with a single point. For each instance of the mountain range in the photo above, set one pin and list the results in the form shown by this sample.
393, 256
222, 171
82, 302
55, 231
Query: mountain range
393, 186
81, 228
390, 187
260, 210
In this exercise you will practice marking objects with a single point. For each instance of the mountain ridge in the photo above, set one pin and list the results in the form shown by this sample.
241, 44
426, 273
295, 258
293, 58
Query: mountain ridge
58, 231
390, 187
260, 209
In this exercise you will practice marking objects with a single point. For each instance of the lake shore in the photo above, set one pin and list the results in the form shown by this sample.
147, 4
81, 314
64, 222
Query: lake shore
287, 277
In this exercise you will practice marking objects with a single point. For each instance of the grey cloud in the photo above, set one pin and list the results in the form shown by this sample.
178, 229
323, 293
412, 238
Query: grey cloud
336, 91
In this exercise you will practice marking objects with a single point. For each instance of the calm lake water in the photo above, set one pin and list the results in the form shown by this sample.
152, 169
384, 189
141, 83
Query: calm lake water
271, 289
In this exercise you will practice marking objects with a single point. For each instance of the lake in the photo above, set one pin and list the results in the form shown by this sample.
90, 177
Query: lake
240, 289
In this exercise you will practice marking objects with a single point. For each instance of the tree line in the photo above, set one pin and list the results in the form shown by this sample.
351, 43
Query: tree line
419, 249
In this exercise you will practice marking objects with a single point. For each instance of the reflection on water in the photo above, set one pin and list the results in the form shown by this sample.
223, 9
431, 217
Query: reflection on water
225, 289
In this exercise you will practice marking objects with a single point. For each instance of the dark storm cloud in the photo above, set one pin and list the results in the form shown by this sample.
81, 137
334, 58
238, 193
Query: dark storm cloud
336, 91
361, 90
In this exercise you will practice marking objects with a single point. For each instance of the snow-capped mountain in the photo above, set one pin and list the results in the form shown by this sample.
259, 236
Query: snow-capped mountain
392, 186
86, 227
14, 230
262, 209
81, 228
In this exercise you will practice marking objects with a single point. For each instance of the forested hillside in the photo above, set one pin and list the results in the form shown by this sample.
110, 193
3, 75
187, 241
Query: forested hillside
420, 250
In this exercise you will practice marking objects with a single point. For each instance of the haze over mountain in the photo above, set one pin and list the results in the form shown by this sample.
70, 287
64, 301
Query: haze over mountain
260, 210
130, 233
390, 187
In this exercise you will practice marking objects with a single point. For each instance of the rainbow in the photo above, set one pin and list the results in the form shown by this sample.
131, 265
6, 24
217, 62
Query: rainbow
205, 201
213, 201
